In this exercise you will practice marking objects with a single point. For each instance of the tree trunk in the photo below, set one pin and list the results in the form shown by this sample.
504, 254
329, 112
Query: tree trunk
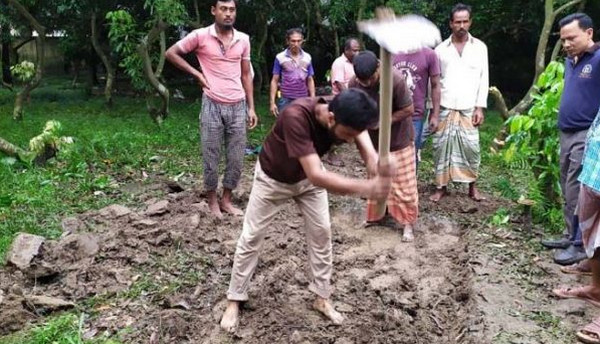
6, 76
39, 40
259, 55
10, 149
158, 115
540, 56
110, 70
499, 102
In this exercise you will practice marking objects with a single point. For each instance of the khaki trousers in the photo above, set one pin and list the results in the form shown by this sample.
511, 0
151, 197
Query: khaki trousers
266, 198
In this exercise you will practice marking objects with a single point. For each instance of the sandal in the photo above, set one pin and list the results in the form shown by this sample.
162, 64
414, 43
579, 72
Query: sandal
590, 333
577, 269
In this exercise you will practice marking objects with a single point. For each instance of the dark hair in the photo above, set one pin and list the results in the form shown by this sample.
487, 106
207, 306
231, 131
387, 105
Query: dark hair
348, 43
354, 108
584, 21
365, 64
216, 1
292, 31
458, 8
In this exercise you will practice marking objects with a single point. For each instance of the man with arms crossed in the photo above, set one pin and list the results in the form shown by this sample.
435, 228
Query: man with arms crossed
289, 167
227, 99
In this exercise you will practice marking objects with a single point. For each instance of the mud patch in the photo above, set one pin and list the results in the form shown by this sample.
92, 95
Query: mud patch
161, 271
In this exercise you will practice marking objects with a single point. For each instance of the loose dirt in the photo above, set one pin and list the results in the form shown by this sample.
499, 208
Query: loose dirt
158, 273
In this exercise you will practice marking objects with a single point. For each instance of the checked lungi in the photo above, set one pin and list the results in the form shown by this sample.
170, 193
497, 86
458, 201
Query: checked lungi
456, 148
589, 218
222, 123
403, 200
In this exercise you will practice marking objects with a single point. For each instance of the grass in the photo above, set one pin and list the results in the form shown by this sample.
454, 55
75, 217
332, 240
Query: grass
112, 147
62, 329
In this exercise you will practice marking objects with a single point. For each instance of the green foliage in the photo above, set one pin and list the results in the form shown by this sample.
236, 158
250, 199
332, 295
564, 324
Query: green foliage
64, 329
500, 218
23, 71
114, 147
49, 137
126, 33
533, 138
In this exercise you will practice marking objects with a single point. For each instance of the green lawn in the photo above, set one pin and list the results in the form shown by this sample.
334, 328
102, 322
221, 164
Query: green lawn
111, 147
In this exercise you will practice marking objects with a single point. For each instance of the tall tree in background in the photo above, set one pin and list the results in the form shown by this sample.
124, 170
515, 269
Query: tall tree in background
23, 94
143, 62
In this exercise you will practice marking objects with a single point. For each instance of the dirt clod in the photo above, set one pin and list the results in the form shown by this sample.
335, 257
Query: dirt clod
23, 249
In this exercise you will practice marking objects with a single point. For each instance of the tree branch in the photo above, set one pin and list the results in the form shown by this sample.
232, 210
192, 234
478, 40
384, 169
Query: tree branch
565, 6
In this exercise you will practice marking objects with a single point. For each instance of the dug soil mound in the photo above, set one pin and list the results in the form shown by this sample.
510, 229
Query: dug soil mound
158, 273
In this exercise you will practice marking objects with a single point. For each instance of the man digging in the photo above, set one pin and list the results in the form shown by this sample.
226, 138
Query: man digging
289, 167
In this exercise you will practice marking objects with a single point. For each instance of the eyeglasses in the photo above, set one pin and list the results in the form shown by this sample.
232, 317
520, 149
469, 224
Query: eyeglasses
222, 47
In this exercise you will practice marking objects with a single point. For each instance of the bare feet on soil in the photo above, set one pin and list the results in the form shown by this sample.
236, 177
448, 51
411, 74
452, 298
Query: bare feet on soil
324, 306
229, 208
587, 293
230, 318
227, 205
438, 194
213, 204
474, 193
408, 235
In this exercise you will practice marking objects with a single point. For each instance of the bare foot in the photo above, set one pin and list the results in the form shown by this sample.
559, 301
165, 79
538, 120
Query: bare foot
229, 208
230, 318
474, 193
324, 306
213, 205
437, 195
227, 205
587, 293
408, 236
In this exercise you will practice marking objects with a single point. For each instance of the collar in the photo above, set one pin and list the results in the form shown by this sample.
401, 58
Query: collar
212, 30
589, 51
593, 48
288, 54
345, 58
470, 39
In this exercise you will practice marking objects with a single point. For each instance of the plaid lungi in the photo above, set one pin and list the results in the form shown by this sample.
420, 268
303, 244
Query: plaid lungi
456, 148
403, 200
589, 218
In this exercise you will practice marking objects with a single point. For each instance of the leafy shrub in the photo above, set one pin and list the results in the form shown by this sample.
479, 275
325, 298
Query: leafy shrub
533, 140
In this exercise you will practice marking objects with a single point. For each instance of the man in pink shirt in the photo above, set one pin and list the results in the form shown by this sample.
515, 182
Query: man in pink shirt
227, 100
342, 69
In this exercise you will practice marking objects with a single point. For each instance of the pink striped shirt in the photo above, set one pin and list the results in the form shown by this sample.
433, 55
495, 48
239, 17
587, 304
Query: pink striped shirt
221, 68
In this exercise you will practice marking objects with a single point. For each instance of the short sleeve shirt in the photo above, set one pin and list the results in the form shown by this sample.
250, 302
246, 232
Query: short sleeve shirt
342, 71
402, 133
296, 133
293, 73
221, 67
417, 68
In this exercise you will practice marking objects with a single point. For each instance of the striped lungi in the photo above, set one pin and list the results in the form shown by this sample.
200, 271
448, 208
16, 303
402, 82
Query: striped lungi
456, 148
589, 218
403, 200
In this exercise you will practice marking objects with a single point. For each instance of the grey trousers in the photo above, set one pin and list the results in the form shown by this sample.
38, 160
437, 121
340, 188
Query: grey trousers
572, 145
266, 198
220, 122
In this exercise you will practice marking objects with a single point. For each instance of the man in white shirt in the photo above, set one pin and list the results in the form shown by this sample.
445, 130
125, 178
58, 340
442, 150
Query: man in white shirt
465, 83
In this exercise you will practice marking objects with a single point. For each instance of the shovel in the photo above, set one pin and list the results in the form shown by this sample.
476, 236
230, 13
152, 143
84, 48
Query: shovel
394, 35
